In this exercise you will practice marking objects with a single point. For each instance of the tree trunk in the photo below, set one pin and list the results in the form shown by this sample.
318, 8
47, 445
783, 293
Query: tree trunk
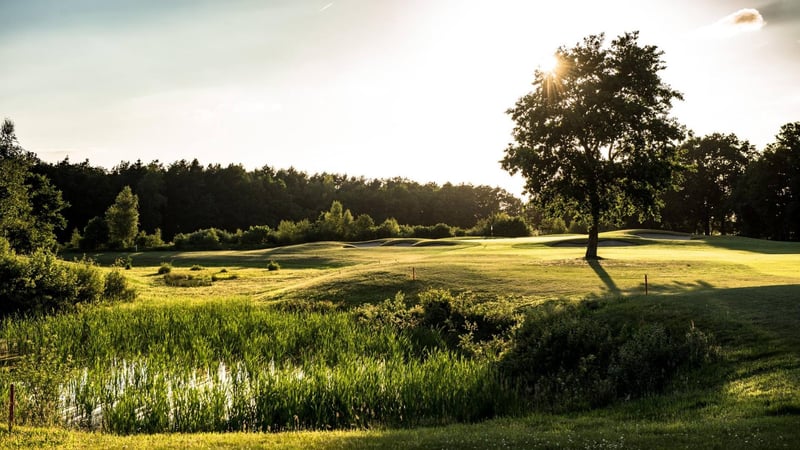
591, 246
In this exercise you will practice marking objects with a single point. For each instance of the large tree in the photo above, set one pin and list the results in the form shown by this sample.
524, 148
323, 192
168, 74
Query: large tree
595, 135
30, 207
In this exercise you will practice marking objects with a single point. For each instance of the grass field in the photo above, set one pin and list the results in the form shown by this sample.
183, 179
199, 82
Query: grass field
745, 292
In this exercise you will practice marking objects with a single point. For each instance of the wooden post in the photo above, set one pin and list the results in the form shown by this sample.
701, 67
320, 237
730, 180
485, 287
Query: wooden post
645, 284
413, 274
11, 408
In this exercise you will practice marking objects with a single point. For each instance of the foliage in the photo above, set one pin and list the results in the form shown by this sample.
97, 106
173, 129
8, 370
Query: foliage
186, 280
95, 234
185, 195
30, 206
122, 218
704, 201
567, 358
501, 225
273, 266
768, 198
594, 136
146, 241
207, 239
116, 287
41, 283
164, 268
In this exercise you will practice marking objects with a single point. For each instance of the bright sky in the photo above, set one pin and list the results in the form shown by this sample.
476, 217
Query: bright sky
411, 88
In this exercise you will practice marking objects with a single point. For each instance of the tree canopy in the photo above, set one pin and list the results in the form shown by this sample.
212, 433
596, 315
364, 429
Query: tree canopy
30, 207
595, 136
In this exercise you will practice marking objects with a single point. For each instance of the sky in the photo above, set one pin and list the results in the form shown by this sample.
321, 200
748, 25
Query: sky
376, 88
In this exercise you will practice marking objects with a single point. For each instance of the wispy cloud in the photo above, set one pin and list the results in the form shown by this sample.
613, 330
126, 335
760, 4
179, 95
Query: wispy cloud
326, 7
742, 21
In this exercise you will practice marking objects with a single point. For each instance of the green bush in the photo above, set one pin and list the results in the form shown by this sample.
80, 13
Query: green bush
43, 283
186, 280
258, 236
164, 268
565, 358
272, 266
196, 267
116, 287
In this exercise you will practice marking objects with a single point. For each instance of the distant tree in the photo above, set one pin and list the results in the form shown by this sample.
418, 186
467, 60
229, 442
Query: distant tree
715, 165
30, 206
768, 198
122, 219
336, 223
95, 234
594, 136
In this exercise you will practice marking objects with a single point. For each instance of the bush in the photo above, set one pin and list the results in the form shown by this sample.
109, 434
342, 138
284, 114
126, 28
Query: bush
196, 267
149, 241
258, 236
438, 231
501, 225
272, 266
164, 268
186, 280
43, 283
207, 239
565, 358
116, 287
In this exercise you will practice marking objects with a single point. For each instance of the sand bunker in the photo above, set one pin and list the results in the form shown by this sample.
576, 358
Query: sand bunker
601, 243
665, 236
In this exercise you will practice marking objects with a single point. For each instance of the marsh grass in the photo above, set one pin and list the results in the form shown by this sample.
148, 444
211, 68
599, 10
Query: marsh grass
237, 366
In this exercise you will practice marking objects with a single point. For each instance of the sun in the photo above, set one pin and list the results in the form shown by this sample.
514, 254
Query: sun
549, 64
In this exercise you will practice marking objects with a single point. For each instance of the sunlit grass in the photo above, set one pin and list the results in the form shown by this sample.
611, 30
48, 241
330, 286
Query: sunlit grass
745, 292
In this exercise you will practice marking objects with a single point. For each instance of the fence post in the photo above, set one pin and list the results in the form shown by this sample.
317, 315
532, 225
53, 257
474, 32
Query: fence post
11, 408
645, 284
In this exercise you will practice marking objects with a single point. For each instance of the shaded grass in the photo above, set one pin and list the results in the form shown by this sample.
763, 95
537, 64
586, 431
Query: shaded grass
539, 431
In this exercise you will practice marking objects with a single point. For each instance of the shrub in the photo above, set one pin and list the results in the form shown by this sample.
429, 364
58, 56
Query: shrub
149, 241
116, 287
164, 268
565, 358
501, 224
186, 280
43, 283
258, 236
272, 266
196, 267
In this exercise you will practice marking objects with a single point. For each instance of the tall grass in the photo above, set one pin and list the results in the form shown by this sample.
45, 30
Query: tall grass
238, 366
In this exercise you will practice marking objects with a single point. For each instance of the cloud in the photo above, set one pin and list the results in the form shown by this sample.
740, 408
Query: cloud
742, 21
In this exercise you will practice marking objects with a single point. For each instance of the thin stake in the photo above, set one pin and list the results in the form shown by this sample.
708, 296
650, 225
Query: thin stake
645, 284
413, 274
11, 408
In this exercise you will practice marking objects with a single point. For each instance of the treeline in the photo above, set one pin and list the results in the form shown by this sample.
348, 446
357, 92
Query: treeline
730, 188
184, 197
726, 187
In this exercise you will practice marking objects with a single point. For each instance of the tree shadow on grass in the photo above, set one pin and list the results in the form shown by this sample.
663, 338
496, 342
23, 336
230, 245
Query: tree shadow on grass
604, 276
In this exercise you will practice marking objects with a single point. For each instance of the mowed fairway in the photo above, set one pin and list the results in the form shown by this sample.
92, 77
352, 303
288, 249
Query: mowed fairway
535, 269
744, 292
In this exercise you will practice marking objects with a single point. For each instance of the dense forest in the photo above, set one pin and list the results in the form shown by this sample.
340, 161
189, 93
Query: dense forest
186, 196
